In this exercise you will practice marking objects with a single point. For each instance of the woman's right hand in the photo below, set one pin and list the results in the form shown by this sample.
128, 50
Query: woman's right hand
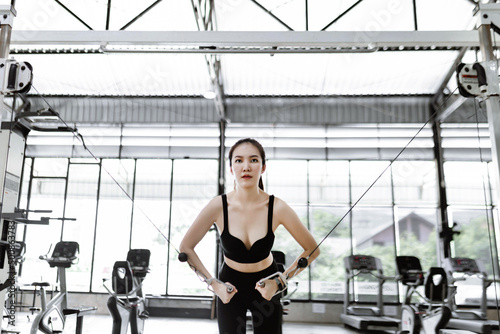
220, 290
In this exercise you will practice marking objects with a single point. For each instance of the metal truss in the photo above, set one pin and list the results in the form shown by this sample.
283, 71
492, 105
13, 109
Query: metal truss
205, 8
205, 19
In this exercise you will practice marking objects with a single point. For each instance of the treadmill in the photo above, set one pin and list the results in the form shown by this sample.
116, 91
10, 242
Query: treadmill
472, 320
365, 318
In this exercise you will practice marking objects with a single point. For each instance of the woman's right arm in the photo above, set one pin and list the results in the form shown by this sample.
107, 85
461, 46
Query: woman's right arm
210, 214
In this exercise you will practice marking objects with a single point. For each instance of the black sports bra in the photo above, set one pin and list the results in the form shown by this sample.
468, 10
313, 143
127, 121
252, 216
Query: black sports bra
236, 250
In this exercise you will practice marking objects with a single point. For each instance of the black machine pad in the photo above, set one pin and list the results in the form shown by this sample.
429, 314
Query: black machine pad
409, 269
64, 253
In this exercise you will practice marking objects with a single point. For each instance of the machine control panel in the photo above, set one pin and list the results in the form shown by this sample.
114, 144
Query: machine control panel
464, 265
361, 262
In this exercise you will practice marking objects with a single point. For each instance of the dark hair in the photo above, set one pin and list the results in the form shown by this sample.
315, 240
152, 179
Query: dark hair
254, 143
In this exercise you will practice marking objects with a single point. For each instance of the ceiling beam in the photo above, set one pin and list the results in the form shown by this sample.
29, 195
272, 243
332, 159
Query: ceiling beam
250, 39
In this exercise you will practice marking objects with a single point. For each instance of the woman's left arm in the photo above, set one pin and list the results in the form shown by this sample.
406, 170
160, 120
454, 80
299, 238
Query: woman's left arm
287, 217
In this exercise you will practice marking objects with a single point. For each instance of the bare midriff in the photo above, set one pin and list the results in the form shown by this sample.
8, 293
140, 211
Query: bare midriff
250, 267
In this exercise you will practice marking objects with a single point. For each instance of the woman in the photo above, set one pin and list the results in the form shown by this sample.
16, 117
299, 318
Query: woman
246, 219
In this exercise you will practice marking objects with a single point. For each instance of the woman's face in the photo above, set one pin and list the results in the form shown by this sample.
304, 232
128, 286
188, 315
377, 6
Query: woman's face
247, 165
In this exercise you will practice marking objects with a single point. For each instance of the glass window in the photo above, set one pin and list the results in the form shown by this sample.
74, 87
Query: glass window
475, 238
287, 180
373, 234
46, 194
415, 181
363, 177
398, 214
416, 234
475, 241
50, 167
83, 161
416, 229
152, 208
466, 182
81, 203
328, 270
113, 218
329, 182
194, 184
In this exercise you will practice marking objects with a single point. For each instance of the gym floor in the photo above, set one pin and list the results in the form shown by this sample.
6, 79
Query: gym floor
101, 324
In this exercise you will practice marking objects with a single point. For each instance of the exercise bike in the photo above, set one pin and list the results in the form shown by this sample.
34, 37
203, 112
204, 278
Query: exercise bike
431, 316
127, 304
52, 317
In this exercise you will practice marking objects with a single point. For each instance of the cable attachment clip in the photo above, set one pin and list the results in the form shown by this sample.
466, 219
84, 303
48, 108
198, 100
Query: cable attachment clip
184, 258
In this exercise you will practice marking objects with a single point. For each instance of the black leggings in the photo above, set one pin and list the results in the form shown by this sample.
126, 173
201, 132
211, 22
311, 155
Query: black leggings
266, 315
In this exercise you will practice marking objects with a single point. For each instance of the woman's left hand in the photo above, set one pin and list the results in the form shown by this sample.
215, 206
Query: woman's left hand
268, 290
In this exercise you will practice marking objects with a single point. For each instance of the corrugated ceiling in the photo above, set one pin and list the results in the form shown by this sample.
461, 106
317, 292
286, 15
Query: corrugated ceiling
142, 79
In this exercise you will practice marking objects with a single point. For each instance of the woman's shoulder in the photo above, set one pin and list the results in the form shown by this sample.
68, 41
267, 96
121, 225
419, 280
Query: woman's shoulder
214, 204
216, 201
280, 205
277, 200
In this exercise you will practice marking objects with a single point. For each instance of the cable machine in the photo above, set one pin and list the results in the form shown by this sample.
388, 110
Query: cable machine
480, 80
15, 77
